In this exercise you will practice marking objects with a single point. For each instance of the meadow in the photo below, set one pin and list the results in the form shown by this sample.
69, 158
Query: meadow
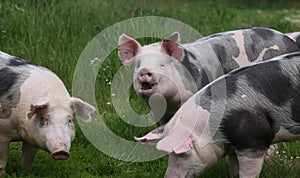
54, 33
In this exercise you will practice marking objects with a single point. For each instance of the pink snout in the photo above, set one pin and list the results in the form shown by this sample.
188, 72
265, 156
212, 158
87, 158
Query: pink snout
145, 77
60, 154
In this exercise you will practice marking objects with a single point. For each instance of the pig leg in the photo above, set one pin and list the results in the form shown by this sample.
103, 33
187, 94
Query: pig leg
28, 154
250, 163
233, 164
4, 146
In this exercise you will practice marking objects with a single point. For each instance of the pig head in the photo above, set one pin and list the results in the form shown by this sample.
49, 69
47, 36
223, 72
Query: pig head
50, 125
157, 70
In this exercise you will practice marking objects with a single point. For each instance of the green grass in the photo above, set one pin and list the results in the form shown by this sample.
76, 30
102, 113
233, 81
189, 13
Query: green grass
54, 33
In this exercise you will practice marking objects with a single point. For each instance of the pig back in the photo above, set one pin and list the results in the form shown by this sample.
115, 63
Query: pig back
13, 72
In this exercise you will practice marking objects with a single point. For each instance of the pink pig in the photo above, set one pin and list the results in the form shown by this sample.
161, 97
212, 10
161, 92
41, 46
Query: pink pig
36, 108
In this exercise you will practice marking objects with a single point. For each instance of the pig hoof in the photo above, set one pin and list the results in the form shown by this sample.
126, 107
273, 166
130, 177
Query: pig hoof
60, 155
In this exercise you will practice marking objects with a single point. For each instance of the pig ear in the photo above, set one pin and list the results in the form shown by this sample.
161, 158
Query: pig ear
153, 136
185, 147
179, 141
128, 47
173, 49
174, 37
34, 108
82, 109
165, 145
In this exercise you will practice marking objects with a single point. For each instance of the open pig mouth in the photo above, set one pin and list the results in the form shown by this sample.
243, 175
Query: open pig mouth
146, 88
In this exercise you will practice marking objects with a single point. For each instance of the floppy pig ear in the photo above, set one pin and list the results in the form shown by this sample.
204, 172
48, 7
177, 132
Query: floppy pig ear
153, 136
34, 108
179, 141
82, 109
128, 48
174, 37
167, 145
185, 147
173, 49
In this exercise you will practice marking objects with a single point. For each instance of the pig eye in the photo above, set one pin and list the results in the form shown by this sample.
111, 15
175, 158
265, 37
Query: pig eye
162, 65
70, 120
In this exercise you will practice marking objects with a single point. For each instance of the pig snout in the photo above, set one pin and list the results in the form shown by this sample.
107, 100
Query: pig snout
145, 76
146, 82
60, 153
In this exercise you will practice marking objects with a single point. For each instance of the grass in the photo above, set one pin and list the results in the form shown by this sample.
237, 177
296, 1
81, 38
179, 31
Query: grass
54, 33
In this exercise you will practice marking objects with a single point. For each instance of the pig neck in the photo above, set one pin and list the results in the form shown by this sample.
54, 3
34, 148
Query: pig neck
170, 111
25, 133
202, 63
200, 67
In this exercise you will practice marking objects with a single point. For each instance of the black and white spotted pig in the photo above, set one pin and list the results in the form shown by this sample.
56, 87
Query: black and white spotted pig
176, 71
35, 108
243, 111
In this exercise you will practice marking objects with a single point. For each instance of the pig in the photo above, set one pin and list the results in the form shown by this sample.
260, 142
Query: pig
177, 71
244, 111
36, 108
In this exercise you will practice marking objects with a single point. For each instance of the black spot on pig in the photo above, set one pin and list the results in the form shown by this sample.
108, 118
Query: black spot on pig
17, 62
7, 79
192, 68
263, 38
219, 90
190, 55
204, 79
295, 104
248, 130
270, 53
264, 82
199, 75
224, 55
10, 83
220, 52
255, 42
289, 45
204, 101
263, 33
258, 79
